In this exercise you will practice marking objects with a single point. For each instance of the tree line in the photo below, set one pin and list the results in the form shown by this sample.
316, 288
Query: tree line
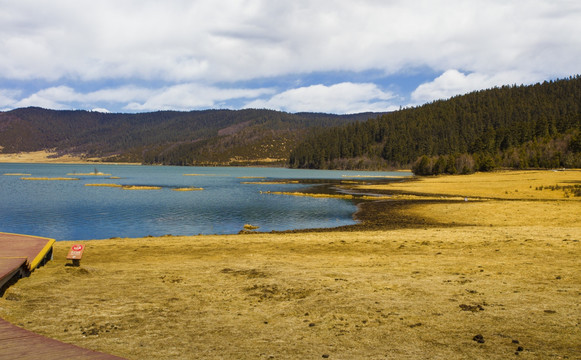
511, 126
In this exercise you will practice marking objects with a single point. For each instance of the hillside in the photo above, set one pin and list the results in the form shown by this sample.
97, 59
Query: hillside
164, 137
511, 126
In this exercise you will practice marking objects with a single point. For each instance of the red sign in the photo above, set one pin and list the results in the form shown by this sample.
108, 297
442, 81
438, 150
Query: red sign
76, 252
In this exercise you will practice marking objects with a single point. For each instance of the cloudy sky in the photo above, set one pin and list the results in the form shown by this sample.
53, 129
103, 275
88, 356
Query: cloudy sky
337, 56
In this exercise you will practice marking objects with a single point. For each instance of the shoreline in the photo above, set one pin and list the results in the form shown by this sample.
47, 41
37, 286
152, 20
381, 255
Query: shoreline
339, 186
380, 214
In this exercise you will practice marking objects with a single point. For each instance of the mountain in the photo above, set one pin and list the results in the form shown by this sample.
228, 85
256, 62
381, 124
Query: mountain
511, 126
165, 137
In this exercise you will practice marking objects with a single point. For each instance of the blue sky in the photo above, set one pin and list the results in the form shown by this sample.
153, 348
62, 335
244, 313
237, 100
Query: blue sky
338, 56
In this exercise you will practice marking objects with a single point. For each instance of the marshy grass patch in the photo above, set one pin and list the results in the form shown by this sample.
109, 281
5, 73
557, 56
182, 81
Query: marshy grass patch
504, 198
188, 189
331, 196
281, 182
140, 187
17, 174
313, 195
48, 178
105, 185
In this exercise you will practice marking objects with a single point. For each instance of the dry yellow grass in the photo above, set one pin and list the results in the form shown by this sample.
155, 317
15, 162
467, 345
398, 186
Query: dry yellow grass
511, 185
395, 294
45, 157
558, 214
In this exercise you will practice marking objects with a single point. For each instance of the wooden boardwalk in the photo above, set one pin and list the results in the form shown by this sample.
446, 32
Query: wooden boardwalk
19, 256
17, 343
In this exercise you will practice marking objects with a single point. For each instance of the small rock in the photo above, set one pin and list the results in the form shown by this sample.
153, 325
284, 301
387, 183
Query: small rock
311, 324
520, 348
325, 356
515, 342
479, 339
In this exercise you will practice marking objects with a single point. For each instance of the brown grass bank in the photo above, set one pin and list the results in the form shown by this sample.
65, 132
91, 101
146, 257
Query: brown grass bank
408, 293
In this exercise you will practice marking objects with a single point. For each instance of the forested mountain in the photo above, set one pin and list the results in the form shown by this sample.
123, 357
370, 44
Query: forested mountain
164, 137
511, 126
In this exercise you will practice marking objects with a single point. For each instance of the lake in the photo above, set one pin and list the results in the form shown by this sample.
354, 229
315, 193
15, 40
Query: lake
70, 210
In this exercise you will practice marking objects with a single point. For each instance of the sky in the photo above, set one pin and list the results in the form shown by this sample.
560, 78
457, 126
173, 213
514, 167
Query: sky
339, 56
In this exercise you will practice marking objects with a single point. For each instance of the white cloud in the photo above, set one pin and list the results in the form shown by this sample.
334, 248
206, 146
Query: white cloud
64, 97
224, 40
178, 97
343, 98
453, 82
217, 43
48, 98
192, 96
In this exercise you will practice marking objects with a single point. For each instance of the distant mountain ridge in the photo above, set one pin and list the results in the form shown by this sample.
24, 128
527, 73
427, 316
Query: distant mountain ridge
536, 126
208, 137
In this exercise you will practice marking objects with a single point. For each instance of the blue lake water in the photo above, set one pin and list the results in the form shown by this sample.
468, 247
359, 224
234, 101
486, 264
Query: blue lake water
69, 210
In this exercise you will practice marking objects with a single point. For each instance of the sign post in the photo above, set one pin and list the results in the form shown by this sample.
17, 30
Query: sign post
76, 253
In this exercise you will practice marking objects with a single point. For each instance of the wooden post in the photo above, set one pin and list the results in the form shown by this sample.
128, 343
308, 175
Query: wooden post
76, 253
